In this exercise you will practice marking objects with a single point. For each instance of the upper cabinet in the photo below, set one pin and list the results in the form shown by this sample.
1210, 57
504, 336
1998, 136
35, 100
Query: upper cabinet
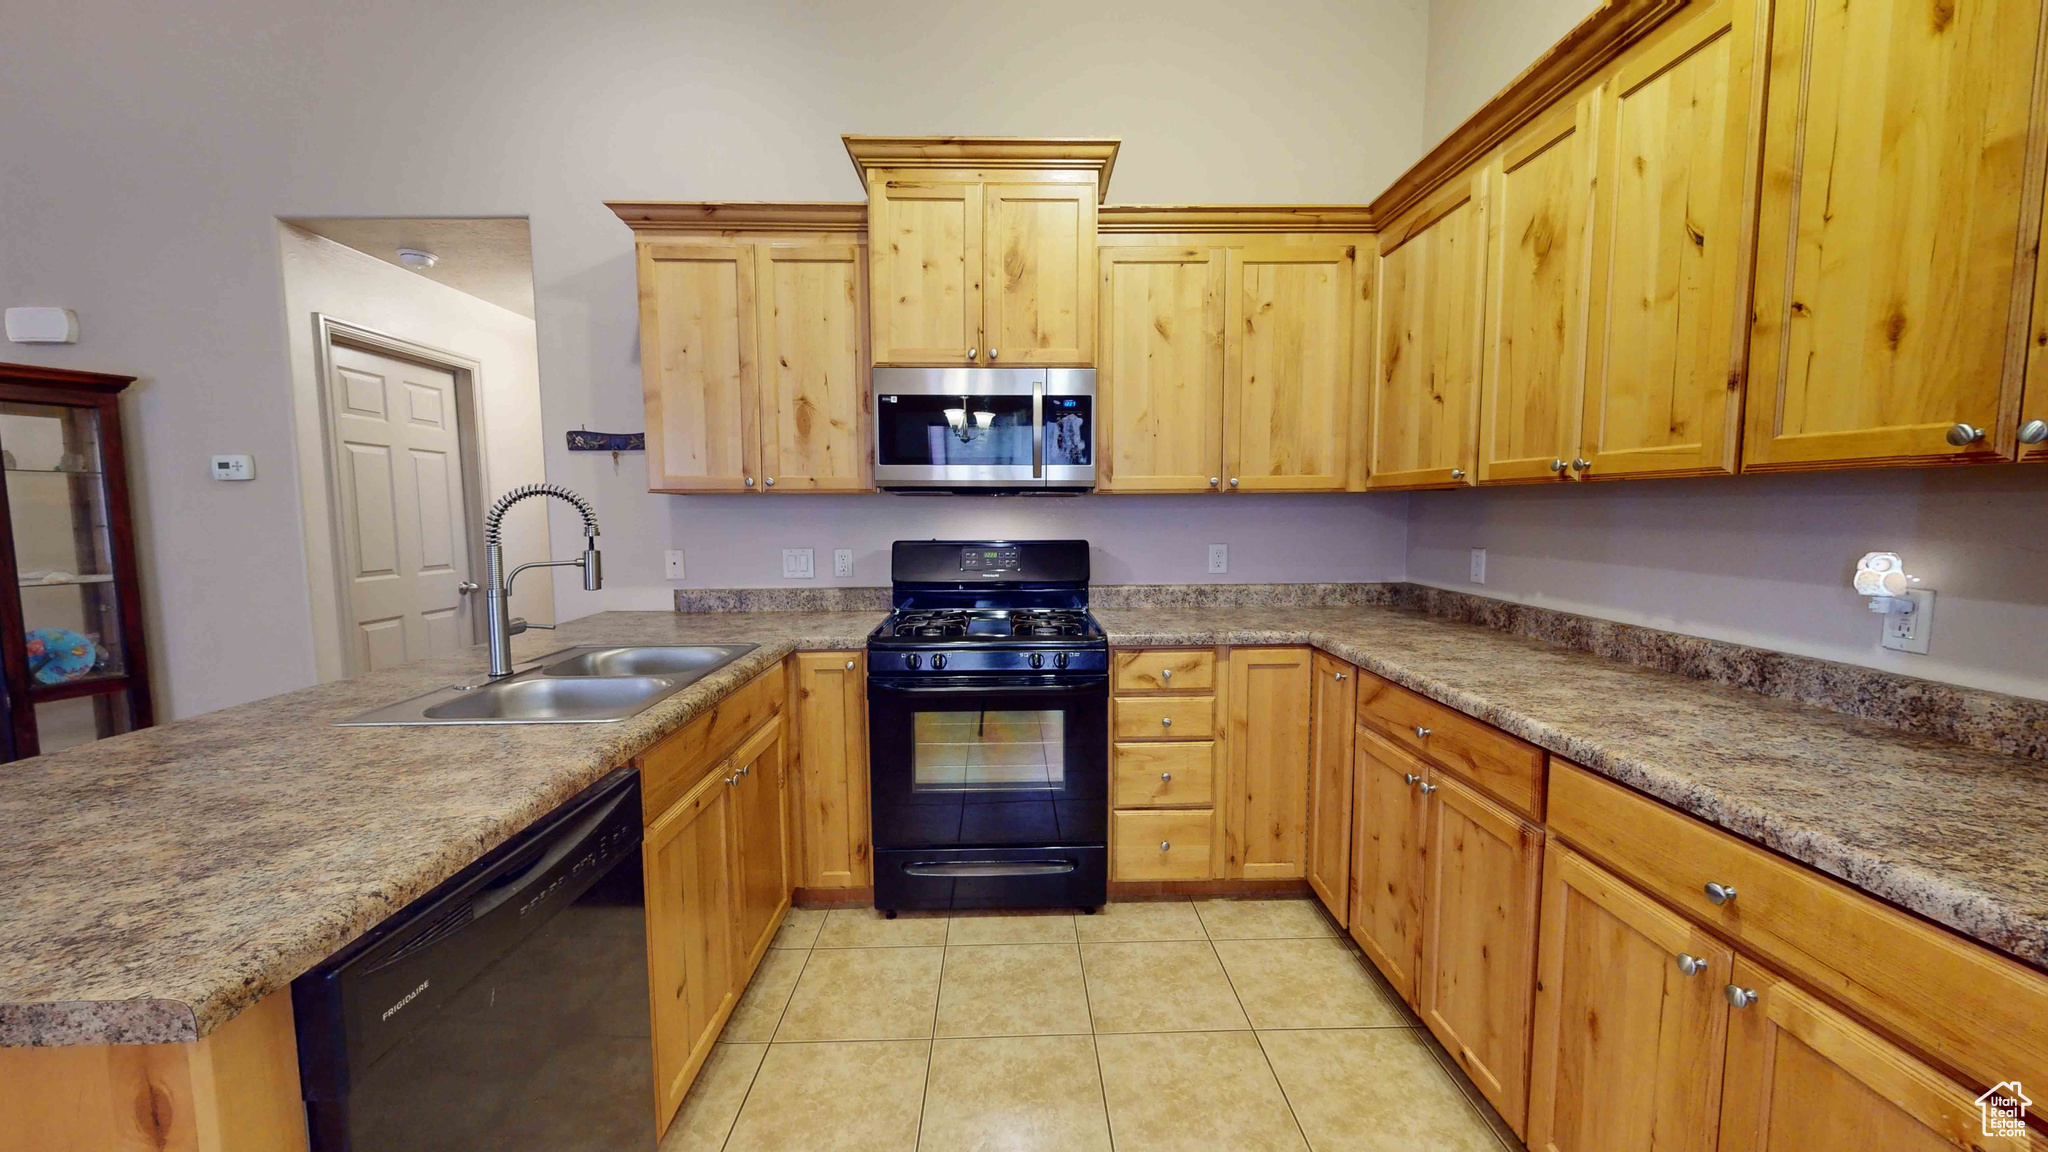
753, 346
1160, 371
1427, 355
1896, 233
983, 248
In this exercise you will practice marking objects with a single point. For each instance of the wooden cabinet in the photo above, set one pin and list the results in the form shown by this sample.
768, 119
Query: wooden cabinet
1160, 382
1482, 866
1427, 349
1038, 276
2033, 419
1505, 768
753, 346
763, 881
1672, 237
1896, 223
831, 770
1630, 1019
1287, 367
1541, 195
1164, 756
1163, 845
1265, 824
692, 962
925, 279
1333, 710
1386, 858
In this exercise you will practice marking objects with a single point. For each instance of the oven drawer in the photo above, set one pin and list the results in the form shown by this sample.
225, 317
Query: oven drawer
1166, 718
1163, 775
1162, 845
1166, 670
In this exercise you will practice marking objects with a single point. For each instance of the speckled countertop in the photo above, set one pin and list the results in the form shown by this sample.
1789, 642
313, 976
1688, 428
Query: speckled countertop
1955, 834
153, 885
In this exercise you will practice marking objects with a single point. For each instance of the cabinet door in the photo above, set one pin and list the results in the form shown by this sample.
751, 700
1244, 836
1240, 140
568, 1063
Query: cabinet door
1672, 239
1536, 300
1287, 360
1265, 826
1333, 710
1896, 144
1802, 1076
1482, 866
1038, 295
699, 365
814, 374
1627, 1045
763, 884
832, 769
1386, 857
1159, 376
924, 256
1427, 353
687, 858
2033, 426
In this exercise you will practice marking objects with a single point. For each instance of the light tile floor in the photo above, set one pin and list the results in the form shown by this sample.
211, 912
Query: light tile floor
1205, 1026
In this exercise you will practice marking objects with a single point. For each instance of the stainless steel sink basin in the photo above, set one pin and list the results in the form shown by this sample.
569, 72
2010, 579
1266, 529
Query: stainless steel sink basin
544, 701
682, 662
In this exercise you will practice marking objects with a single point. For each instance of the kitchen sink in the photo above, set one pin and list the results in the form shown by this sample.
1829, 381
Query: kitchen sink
589, 685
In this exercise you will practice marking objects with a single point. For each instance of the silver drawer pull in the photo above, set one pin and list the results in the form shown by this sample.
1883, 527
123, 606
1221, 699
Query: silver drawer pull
1163, 846
1720, 893
1166, 673
1166, 721
1165, 776
1691, 965
1410, 778
1421, 732
1739, 997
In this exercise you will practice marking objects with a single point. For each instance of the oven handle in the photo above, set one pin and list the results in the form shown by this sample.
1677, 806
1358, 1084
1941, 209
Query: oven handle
990, 868
1038, 429
1089, 688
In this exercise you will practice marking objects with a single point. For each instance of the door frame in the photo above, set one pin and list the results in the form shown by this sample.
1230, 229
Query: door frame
324, 573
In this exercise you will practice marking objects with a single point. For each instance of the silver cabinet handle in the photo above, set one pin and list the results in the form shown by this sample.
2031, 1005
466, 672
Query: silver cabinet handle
466, 587
750, 481
1581, 463
1233, 481
849, 665
747, 770
1428, 788
1739, 997
971, 352
1410, 778
1457, 473
1720, 893
769, 481
2032, 432
1166, 673
1964, 435
1343, 675
1165, 776
1166, 721
1215, 480
732, 780
1421, 732
1691, 965
991, 353
1557, 465
1163, 846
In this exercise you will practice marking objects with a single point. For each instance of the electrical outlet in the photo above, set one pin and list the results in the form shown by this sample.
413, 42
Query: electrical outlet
796, 564
1909, 631
1219, 557
675, 563
842, 563
1479, 565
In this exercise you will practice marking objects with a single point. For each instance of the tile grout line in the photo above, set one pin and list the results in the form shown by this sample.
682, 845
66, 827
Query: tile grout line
1260, 1041
767, 1048
1094, 1044
931, 1043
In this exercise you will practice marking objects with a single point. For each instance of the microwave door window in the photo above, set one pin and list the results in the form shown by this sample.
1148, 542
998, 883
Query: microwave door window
936, 431
1067, 430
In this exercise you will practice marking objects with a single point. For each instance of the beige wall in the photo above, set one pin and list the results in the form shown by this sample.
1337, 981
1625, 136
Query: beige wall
1477, 46
325, 278
146, 199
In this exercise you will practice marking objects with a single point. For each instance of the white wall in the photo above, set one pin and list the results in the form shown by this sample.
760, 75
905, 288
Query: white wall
145, 198
322, 277
1766, 560
1477, 46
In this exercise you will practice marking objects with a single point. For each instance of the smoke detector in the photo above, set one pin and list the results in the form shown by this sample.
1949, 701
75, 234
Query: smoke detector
417, 259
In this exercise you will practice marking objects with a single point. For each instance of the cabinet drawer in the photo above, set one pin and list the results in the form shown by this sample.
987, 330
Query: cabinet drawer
1970, 1008
1166, 670
1510, 769
1163, 775
1162, 845
674, 764
1166, 718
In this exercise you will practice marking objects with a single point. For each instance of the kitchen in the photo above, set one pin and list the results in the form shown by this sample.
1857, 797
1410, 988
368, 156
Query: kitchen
1481, 529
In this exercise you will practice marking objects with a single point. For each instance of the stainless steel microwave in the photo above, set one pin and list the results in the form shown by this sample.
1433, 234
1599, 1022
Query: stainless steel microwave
985, 429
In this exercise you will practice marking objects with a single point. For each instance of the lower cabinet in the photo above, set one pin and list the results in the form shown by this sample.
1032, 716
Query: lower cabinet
1333, 702
760, 815
1265, 823
1386, 858
1164, 763
691, 959
831, 769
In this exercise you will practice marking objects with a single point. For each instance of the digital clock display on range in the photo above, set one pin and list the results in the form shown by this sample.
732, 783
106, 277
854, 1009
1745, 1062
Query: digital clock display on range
990, 561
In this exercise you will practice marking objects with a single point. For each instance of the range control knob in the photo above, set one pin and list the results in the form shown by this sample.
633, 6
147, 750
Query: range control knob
938, 661
1060, 661
1038, 659
913, 660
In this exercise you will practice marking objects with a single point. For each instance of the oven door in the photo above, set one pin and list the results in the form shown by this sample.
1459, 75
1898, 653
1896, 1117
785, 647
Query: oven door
998, 428
988, 762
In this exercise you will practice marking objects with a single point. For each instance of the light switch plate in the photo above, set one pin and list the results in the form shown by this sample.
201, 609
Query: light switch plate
1479, 565
675, 563
796, 564
842, 563
1910, 631
234, 467
1219, 557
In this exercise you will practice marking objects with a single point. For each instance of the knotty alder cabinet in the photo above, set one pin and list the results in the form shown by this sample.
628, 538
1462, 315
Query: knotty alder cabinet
831, 797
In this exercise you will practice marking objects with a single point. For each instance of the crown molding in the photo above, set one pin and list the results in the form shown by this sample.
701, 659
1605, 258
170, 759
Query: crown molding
1095, 154
687, 217
1587, 48
63, 377
1130, 218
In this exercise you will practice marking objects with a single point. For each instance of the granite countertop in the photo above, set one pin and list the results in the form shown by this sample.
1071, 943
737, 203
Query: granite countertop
157, 883
1957, 835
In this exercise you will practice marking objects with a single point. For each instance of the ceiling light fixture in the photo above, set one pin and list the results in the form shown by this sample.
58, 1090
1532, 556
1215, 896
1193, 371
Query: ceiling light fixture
417, 259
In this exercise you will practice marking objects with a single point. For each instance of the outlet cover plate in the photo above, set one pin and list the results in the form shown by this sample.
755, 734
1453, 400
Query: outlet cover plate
1219, 558
796, 564
842, 563
1910, 631
1479, 565
675, 563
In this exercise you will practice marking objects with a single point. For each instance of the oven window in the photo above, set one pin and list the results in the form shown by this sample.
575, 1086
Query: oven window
955, 430
990, 751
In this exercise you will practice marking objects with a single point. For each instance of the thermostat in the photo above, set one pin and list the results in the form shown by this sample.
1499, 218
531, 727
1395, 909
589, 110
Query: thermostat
241, 467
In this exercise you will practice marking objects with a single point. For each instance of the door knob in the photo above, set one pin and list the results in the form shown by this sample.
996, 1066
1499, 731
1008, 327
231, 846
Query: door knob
1163, 845
1428, 788
1233, 481
769, 481
971, 353
849, 665
1964, 435
1720, 893
1165, 777
466, 587
1166, 721
1691, 965
991, 353
1739, 997
1421, 732
1215, 480
1557, 465
1457, 473
1581, 463
750, 481
1410, 778
1343, 676
2032, 432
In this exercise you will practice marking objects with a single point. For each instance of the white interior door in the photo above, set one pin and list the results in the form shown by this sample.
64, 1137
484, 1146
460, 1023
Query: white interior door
405, 526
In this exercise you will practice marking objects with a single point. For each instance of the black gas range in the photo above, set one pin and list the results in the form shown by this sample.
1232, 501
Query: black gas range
988, 714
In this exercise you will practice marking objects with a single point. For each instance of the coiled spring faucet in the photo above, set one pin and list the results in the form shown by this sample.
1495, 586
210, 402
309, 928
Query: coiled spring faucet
498, 586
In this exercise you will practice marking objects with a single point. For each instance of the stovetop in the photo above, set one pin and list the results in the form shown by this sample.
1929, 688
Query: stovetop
946, 627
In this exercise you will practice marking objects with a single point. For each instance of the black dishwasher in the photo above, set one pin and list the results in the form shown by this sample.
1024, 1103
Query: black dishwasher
505, 1011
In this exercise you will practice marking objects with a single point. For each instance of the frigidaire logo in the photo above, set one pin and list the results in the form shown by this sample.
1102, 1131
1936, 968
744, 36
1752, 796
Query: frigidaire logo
404, 1000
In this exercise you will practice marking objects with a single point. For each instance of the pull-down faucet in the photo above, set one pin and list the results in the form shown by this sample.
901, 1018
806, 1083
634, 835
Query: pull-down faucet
498, 586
